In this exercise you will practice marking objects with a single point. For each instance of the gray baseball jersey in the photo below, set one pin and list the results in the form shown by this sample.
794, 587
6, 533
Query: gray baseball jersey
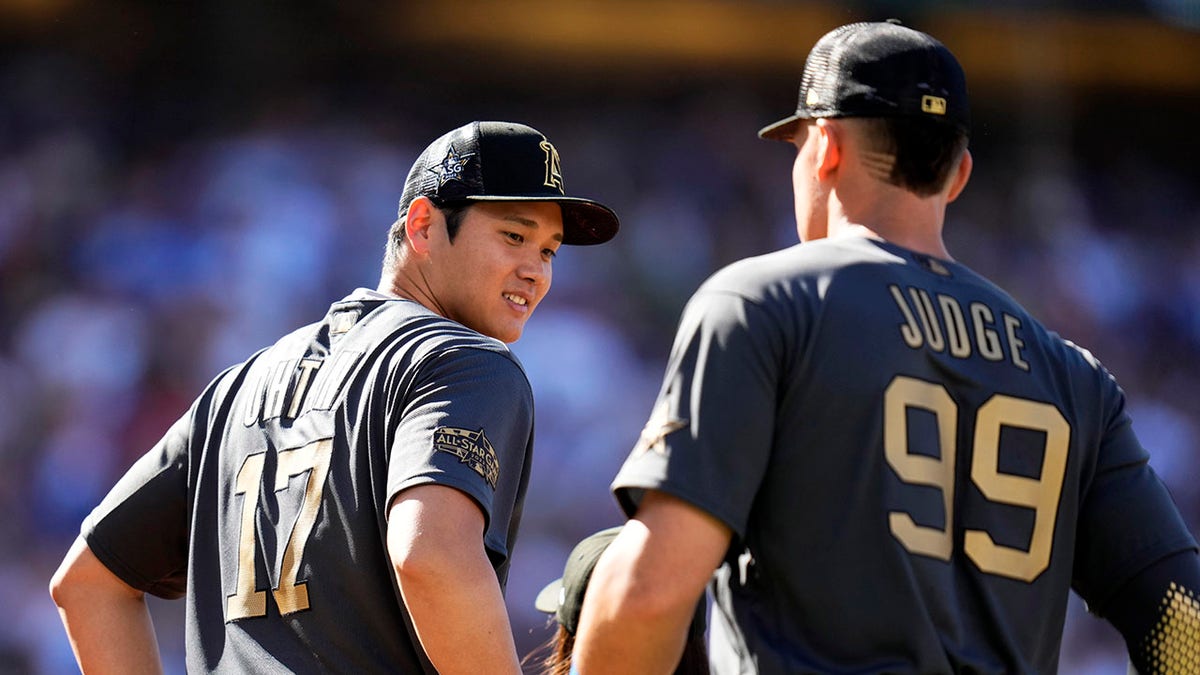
915, 470
266, 504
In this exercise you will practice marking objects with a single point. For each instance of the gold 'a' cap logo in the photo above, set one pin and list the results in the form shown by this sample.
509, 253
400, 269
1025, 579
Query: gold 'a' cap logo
813, 97
554, 177
935, 105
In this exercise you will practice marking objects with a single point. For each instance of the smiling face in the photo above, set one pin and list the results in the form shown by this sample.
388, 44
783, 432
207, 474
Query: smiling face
498, 268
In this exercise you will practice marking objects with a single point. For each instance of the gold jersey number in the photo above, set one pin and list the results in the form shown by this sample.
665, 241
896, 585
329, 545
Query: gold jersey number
1039, 494
290, 596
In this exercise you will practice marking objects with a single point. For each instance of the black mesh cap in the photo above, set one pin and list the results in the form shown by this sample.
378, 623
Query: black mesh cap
502, 162
879, 69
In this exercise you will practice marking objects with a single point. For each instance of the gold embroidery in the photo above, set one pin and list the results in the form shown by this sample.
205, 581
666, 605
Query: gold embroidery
654, 436
472, 448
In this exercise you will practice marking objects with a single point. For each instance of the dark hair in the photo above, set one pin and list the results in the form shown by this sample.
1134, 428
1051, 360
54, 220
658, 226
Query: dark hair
558, 649
453, 213
925, 150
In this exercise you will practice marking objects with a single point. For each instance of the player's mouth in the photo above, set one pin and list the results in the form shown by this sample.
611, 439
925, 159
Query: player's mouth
516, 299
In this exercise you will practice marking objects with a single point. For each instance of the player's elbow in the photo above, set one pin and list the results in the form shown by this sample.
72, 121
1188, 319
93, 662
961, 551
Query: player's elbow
69, 585
424, 557
82, 581
416, 562
432, 531
60, 587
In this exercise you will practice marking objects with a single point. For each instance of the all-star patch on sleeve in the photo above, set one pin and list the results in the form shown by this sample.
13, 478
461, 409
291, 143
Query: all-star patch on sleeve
466, 422
471, 448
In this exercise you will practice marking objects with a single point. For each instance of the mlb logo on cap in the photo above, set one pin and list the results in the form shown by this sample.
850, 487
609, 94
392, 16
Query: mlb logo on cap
879, 69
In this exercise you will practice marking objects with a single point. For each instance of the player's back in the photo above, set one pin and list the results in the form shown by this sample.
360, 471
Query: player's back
291, 492
931, 454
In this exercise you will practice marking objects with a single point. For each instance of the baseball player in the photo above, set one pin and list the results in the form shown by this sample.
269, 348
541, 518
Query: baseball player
893, 467
347, 499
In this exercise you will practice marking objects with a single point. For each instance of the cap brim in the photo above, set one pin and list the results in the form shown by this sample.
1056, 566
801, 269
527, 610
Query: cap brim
783, 130
548, 598
585, 222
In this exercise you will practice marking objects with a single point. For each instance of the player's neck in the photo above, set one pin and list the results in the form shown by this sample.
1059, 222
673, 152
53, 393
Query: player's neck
931, 245
899, 217
401, 283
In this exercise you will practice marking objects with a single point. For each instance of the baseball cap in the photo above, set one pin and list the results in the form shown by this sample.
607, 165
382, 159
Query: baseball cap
879, 69
503, 161
563, 597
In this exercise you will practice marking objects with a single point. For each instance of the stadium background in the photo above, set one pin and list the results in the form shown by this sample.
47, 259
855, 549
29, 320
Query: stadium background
180, 183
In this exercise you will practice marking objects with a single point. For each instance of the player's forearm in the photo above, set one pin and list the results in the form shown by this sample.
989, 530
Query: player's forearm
624, 642
460, 617
107, 622
647, 584
616, 608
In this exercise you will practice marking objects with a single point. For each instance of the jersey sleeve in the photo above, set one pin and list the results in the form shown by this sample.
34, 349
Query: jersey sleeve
1127, 518
467, 424
709, 437
1158, 614
147, 505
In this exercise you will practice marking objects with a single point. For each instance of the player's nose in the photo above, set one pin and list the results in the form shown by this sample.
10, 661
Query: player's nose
535, 270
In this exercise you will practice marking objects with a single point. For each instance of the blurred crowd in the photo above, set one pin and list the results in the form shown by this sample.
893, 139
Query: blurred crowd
130, 274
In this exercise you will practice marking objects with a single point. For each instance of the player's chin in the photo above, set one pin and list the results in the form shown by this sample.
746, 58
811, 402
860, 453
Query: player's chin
507, 331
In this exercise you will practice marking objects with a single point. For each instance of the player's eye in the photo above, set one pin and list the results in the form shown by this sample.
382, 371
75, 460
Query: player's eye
514, 237
549, 253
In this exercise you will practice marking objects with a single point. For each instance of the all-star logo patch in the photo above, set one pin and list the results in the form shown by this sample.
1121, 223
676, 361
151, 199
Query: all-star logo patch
452, 166
471, 448
654, 435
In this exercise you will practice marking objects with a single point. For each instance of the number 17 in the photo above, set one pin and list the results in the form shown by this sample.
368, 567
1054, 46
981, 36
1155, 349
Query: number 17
290, 596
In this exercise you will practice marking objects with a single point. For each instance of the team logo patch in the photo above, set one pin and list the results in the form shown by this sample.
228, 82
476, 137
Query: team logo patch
554, 177
471, 448
452, 166
654, 435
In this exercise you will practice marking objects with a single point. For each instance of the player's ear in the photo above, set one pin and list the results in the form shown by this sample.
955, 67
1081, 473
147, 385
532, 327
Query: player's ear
422, 215
829, 147
961, 175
